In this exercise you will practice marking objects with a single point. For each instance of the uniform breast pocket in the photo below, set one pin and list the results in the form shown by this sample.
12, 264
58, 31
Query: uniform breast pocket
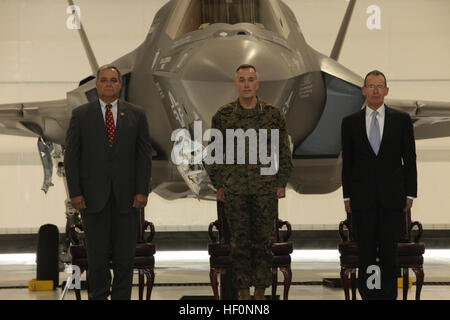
269, 124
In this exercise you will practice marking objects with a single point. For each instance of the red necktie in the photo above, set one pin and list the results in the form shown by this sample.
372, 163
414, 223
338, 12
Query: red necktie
110, 126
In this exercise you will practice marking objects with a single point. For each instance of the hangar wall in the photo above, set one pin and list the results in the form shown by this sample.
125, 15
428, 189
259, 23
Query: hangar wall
41, 59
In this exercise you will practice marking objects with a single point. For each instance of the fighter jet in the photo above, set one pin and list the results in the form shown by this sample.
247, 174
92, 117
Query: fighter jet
184, 71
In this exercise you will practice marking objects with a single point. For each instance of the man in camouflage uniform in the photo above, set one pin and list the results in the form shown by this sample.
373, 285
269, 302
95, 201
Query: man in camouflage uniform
250, 197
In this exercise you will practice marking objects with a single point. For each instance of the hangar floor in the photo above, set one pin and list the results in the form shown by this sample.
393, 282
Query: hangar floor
186, 274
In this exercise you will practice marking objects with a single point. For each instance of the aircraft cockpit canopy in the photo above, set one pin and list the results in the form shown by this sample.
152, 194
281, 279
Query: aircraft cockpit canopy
198, 14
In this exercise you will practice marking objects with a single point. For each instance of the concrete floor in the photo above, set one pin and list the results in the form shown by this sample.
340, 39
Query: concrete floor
186, 273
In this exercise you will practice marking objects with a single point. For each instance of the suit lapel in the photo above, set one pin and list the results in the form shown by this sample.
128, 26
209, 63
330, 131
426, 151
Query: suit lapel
386, 127
121, 117
362, 122
99, 123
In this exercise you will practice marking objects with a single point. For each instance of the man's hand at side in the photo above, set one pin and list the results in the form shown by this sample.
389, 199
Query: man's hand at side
221, 194
78, 203
347, 206
281, 192
409, 203
140, 201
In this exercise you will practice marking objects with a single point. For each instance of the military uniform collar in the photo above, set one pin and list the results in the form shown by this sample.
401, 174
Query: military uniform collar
240, 110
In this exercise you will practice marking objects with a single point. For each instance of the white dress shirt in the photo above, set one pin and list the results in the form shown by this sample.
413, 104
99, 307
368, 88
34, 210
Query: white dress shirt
380, 117
114, 109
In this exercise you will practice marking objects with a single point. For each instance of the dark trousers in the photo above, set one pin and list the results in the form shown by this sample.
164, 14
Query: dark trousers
251, 220
377, 232
110, 241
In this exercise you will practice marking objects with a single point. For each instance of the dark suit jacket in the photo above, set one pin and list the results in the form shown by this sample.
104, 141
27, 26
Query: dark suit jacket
389, 177
92, 166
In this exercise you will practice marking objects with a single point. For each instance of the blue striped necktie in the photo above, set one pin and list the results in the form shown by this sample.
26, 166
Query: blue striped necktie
374, 133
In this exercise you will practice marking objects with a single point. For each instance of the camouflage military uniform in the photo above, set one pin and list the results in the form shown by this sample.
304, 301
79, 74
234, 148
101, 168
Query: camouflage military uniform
251, 202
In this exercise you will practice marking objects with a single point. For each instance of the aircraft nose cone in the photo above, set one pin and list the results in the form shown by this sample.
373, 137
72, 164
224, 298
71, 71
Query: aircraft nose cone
208, 76
219, 58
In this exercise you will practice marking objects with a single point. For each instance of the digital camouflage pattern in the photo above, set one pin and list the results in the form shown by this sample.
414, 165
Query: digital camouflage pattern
246, 178
251, 220
251, 203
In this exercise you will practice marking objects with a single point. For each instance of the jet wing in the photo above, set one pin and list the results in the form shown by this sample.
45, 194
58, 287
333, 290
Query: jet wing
431, 118
49, 119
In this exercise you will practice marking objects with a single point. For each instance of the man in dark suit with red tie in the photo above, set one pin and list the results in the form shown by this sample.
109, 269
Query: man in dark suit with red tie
108, 169
379, 180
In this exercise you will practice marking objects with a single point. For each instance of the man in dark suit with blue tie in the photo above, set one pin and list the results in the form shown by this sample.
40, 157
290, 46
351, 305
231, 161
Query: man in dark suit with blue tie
379, 180
108, 168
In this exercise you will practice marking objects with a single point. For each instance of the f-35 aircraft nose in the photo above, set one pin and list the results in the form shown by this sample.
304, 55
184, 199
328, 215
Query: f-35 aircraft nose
219, 58
208, 76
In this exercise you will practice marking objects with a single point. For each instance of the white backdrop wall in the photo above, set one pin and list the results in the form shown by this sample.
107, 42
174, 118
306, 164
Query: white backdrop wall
41, 59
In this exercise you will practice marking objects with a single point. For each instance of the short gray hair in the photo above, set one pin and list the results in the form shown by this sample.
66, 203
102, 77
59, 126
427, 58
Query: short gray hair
109, 66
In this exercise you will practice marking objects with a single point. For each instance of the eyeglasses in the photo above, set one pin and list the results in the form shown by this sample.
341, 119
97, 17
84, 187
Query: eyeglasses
372, 87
